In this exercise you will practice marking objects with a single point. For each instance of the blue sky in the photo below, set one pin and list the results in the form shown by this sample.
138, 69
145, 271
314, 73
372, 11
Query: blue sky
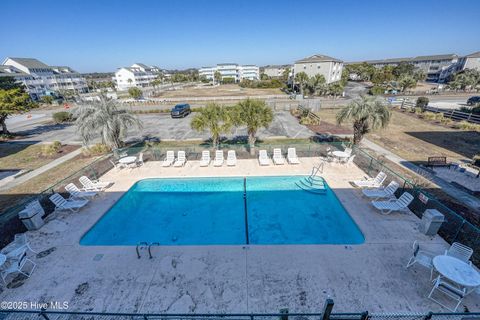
105, 34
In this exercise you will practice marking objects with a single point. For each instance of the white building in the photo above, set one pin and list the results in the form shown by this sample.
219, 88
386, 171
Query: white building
40, 79
329, 67
137, 75
276, 71
231, 71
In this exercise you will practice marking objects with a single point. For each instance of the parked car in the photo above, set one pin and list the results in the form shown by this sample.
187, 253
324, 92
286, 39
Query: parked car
180, 110
473, 100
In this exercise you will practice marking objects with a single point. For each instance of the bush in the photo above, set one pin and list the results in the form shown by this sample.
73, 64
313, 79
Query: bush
417, 110
61, 117
47, 99
305, 120
377, 90
439, 116
49, 150
429, 115
467, 126
446, 121
422, 102
135, 93
262, 84
96, 150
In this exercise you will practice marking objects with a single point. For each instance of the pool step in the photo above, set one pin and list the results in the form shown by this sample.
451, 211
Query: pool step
312, 184
145, 246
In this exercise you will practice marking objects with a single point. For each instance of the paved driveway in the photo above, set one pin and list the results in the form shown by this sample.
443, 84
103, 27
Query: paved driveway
164, 127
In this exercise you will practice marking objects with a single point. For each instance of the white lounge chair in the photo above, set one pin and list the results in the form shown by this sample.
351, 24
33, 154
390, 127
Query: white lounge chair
448, 289
263, 158
181, 159
292, 156
460, 251
14, 266
205, 161
76, 193
388, 206
348, 161
117, 165
231, 158
169, 159
380, 193
93, 185
422, 257
218, 162
278, 158
63, 204
372, 182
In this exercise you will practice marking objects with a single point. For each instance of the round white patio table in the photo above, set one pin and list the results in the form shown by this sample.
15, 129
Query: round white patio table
340, 154
128, 160
457, 271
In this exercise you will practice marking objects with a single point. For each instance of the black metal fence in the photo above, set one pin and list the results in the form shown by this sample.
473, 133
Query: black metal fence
284, 314
455, 228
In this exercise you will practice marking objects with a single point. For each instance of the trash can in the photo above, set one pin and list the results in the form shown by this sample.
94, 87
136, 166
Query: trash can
31, 216
432, 220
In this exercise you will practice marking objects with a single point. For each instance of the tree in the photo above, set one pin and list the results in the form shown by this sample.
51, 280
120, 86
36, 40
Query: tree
406, 82
214, 118
129, 80
47, 99
366, 113
317, 84
403, 69
254, 114
301, 78
285, 75
217, 76
135, 93
335, 89
103, 118
156, 83
264, 76
13, 99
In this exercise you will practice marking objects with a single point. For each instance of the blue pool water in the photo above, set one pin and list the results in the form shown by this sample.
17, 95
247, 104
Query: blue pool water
211, 211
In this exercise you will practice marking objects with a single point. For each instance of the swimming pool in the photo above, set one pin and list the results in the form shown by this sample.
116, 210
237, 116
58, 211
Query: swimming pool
224, 211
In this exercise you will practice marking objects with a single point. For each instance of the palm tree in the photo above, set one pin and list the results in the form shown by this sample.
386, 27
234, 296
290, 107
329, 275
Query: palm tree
214, 118
366, 113
254, 114
104, 118
317, 83
406, 82
301, 78
217, 76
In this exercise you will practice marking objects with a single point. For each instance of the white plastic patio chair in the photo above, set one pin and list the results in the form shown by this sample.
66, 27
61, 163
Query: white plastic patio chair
278, 158
348, 161
263, 158
76, 193
181, 159
17, 247
93, 185
63, 204
169, 159
422, 257
14, 266
117, 165
218, 162
231, 158
292, 156
460, 251
139, 161
380, 193
388, 206
372, 182
205, 161
348, 151
448, 289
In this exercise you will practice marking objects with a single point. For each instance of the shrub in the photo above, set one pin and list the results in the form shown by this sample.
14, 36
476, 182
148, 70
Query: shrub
61, 117
305, 120
429, 115
377, 90
49, 150
446, 121
422, 102
467, 126
47, 99
96, 150
418, 110
439, 116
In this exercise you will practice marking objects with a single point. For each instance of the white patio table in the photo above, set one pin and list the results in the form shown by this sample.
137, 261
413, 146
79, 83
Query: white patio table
457, 271
341, 154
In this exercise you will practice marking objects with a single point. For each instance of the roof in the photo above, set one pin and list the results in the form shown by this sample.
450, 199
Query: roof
279, 66
227, 64
63, 69
318, 58
474, 55
141, 65
436, 57
11, 71
30, 63
418, 58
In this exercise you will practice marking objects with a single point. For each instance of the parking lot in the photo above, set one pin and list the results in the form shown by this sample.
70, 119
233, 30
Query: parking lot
162, 126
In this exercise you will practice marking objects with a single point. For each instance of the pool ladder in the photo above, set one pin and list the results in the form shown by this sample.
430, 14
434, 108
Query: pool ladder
145, 246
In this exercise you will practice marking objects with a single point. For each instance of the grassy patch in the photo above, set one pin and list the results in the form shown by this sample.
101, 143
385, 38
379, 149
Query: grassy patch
218, 91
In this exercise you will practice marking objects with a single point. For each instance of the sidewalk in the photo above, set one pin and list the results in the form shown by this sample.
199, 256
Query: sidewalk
466, 198
15, 182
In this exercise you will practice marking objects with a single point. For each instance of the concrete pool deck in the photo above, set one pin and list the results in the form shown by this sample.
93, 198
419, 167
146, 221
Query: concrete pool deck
233, 279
